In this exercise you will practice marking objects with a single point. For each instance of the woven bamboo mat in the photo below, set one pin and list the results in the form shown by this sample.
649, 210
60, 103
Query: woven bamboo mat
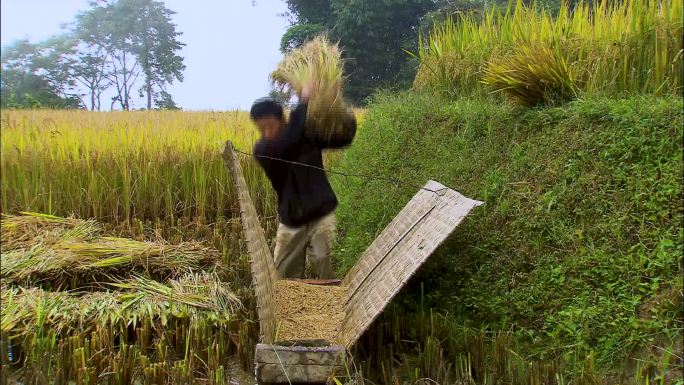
263, 267
397, 253
383, 269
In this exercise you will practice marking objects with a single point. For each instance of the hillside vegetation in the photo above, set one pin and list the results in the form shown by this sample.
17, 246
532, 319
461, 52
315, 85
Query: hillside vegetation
533, 57
577, 248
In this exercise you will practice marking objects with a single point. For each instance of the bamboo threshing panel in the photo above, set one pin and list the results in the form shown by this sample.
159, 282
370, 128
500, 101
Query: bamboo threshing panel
403, 246
263, 268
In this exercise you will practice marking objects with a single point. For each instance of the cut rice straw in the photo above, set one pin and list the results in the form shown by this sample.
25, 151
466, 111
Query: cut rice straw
29, 229
65, 260
194, 296
70, 250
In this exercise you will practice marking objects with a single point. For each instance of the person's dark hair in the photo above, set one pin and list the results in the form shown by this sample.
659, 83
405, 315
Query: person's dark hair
264, 107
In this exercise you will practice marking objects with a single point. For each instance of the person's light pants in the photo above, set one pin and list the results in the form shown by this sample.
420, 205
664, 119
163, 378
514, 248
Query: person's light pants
313, 240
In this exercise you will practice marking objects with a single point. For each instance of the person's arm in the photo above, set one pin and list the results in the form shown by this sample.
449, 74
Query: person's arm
262, 158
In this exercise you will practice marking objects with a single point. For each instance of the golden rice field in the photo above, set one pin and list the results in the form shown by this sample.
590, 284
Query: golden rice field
137, 172
141, 175
123, 165
75, 290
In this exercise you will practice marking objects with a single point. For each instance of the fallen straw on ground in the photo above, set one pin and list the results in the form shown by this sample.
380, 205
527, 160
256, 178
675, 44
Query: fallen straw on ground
195, 296
29, 229
308, 312
133, 308
57, 250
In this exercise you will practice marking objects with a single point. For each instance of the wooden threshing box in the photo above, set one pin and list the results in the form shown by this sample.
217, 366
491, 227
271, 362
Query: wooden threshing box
383, 269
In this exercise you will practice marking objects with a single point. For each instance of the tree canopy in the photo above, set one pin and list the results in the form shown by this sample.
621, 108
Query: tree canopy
373, 34
36, 75
115, 45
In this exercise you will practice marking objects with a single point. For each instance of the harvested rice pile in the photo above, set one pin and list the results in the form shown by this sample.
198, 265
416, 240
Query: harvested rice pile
308, 312
200, 296
29, 229
39, 249
76, 304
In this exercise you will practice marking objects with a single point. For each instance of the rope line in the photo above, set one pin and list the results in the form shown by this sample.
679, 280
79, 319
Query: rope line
396, 181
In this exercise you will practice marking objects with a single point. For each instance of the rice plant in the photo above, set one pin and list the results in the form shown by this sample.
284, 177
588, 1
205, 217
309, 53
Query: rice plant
525, 52
29, 229
193, 296
533, 75
166, 311
143, 332
74, 264
124, 166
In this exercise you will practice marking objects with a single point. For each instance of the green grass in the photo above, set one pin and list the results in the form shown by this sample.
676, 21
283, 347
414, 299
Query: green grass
577, 248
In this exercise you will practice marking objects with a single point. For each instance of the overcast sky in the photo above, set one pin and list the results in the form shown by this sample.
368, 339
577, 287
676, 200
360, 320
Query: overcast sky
232, 45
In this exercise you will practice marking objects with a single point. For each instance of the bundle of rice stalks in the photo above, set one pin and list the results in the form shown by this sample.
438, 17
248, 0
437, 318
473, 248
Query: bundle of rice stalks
29, 229
76, 261
195, 296
27, 310
533, 75
200, 291
107, 252
319, 63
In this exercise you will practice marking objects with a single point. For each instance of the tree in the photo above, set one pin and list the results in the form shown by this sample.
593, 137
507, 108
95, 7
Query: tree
106, 27
298, 34
110, 45
310, 11
308, 19
446, 9
280, 96
56, 63
81, 63
90, 70
22, 89
138, 38
164, 101
36, 75
19, 54
157, 45
373, 35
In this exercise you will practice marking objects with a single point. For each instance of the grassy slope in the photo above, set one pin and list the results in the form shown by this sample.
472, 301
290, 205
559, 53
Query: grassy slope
577, 247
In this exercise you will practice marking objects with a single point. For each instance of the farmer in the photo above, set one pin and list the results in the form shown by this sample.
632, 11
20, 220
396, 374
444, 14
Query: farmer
293, 163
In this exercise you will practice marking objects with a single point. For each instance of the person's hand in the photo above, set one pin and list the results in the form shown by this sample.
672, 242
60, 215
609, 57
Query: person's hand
307, 90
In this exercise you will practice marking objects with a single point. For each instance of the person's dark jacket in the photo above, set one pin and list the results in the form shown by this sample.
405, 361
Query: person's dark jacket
304, 193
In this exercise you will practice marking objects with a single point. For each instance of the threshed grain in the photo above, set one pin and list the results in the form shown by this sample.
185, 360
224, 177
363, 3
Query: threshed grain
308, 312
